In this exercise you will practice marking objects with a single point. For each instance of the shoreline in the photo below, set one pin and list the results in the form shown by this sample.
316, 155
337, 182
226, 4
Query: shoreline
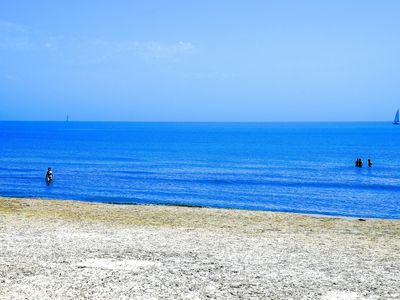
70, 249
311, 214
94, 209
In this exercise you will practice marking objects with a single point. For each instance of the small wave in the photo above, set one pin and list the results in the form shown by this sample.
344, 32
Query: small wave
262, 182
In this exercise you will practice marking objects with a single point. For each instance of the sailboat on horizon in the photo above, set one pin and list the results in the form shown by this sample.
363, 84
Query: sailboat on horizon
396, 118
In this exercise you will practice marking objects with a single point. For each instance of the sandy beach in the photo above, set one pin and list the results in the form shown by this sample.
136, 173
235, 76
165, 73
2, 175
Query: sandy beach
75, 250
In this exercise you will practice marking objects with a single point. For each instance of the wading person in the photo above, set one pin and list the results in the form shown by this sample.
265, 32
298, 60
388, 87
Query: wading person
49, 175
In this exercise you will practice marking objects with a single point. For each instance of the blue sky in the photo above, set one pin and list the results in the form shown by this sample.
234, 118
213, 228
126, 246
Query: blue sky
199, 60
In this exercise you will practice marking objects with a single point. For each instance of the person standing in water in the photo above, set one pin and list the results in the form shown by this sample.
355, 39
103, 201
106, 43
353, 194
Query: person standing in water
49, 175
359, 162
369, 163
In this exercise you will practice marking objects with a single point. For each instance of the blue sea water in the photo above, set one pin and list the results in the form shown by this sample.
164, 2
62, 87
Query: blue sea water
289, 167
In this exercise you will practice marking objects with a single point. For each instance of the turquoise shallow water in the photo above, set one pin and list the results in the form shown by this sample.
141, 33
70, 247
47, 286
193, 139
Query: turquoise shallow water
290, 167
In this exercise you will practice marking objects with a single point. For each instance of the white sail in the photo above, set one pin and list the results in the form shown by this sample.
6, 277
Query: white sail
396, 118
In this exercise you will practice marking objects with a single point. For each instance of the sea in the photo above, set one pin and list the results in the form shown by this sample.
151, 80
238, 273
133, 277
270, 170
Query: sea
286, 167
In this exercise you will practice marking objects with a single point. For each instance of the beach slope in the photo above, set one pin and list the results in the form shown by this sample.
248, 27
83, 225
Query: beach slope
53, 249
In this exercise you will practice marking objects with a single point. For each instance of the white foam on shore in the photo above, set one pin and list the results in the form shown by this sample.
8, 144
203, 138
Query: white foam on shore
111, 264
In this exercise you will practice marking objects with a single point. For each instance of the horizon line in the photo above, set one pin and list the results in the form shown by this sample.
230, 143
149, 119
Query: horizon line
130, 121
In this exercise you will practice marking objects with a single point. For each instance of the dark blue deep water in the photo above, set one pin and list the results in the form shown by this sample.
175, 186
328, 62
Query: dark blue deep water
290, 167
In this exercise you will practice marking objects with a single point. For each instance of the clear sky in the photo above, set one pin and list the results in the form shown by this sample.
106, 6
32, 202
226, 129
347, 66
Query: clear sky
208, 60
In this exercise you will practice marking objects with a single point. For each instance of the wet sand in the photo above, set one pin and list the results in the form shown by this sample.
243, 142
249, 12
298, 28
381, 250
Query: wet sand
52, 249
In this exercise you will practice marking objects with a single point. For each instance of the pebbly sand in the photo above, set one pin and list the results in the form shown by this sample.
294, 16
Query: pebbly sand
74, 250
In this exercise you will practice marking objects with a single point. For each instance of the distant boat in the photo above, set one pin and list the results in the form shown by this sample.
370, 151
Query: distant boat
396, 119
